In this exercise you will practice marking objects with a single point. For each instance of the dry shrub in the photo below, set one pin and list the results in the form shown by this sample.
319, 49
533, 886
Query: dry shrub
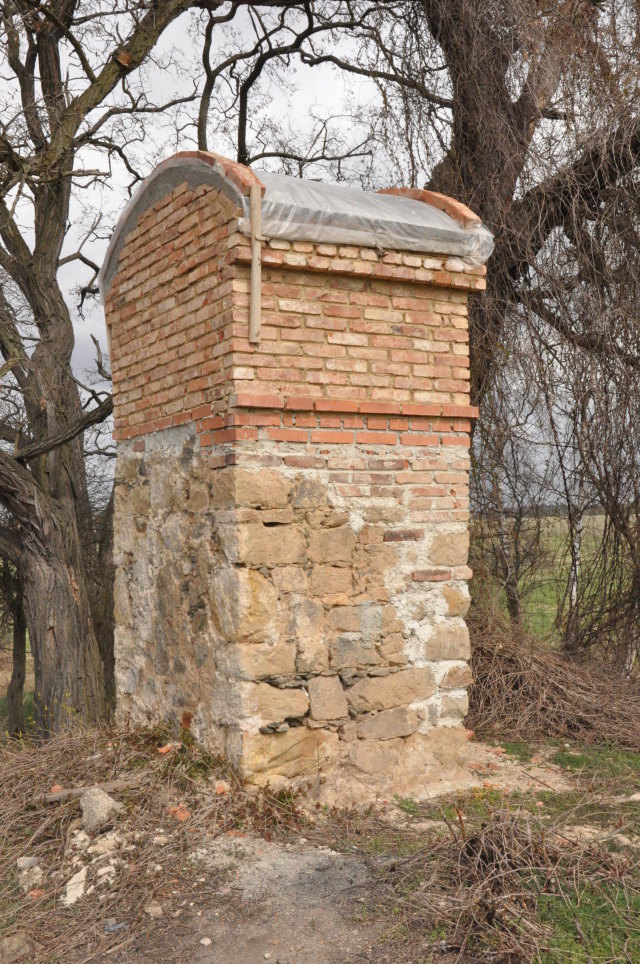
150, 872
496, 890
522, 690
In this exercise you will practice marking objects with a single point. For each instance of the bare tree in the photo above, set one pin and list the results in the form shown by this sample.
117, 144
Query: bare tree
528, 113
73, 100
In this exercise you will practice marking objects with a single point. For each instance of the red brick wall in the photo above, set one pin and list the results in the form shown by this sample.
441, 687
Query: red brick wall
355, 346
169, 307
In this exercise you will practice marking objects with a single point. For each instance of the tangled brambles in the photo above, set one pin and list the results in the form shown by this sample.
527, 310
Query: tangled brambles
523, 690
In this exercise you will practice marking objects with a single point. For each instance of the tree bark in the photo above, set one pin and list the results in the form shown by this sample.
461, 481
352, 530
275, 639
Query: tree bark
68, 669
15, 690
52, 565
102, 604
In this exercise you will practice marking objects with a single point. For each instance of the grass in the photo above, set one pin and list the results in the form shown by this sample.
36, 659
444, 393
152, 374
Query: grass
604, 762
29, 691
29, 711
518, 749
542, 589
574, 881
594, 924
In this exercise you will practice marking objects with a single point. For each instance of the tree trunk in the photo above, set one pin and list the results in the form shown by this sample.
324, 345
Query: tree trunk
571, 640
102, 605
69, 683
15, 690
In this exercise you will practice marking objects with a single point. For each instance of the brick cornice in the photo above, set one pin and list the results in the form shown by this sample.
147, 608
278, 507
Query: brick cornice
379, 270
297, 403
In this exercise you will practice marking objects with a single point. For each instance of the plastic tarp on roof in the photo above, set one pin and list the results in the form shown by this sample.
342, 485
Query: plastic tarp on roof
300, 210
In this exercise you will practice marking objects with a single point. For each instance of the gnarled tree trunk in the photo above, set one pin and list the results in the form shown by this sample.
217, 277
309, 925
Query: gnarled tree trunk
69, 681
15, 690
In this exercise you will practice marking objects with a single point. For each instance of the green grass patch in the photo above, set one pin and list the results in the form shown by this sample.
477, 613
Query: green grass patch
595, 923
29, 711
609, 762
408, 806
518, 749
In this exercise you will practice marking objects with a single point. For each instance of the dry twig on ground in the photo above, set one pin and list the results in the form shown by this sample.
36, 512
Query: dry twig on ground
171, 802
522, 689
495, 889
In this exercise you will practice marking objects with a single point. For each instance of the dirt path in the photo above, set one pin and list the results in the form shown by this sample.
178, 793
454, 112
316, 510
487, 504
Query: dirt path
288, 903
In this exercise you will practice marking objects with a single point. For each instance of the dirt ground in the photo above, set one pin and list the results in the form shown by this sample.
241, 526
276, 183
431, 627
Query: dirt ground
197, 868
289, 903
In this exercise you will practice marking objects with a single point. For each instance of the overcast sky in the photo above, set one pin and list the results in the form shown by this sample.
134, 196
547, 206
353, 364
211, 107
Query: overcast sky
320, 90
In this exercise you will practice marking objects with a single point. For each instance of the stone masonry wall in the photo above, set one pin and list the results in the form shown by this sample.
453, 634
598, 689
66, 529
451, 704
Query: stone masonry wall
291, 518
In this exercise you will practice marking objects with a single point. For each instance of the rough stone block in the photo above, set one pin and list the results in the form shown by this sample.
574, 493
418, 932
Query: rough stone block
449, 548
352, 650
457, 601
453, 709
222, 489
326, 698
457, 677
243, 603
272, 704
266, 488
397, 689
257, 660
389, 724
297, 752
332, 545
330, 580
375, 759
305, 624
308, 493
449, 640
256, 545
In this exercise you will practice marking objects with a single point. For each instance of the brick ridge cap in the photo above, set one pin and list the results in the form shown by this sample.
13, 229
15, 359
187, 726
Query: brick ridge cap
380, 271
351, 406
239, 178
455, 209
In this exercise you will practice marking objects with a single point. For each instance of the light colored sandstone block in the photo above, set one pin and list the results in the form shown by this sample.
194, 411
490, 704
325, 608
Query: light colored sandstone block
267, 488
329, 580
243, 603
297, 752
273, 704
332, 545
457, 677
351, 650
449, 548
306, 625
453, 709
397, 689
457, 601
389, 724
449, 640
255, 660
256, 545
326, 698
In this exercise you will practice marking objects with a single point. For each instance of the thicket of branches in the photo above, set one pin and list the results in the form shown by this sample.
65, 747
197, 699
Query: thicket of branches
526, 112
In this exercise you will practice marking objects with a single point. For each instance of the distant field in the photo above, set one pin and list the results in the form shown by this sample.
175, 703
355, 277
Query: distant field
543, 588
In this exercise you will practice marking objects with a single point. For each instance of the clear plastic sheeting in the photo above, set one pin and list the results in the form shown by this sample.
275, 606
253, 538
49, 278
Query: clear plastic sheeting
299, 210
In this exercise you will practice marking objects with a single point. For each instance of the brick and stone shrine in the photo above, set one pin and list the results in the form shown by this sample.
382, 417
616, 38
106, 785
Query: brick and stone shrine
291, 407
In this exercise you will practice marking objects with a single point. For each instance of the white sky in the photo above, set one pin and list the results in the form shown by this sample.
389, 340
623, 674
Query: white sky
320, 90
